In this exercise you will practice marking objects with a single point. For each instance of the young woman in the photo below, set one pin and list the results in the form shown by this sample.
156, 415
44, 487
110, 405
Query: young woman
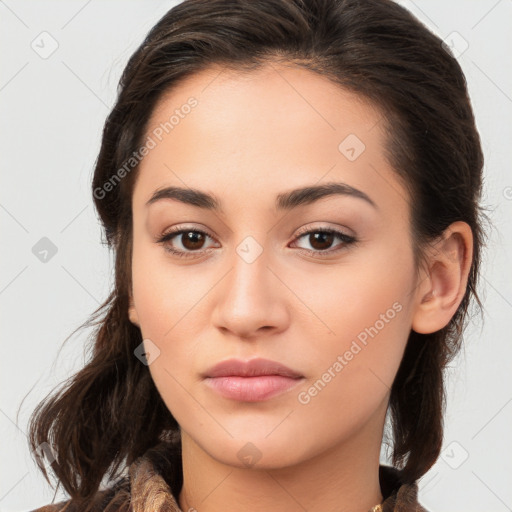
291, 189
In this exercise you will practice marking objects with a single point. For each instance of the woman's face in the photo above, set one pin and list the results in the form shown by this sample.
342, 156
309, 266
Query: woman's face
259, 276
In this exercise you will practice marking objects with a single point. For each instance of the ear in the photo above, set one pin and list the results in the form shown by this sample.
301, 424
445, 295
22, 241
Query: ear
132, 312
443, 284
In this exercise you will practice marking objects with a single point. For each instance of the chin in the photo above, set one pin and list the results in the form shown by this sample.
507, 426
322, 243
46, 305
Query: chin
255, 451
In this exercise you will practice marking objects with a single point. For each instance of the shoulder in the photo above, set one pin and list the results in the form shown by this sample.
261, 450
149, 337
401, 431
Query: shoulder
114, 499
54, 507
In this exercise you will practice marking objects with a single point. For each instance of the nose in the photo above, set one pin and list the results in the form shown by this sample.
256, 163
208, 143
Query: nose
251, 300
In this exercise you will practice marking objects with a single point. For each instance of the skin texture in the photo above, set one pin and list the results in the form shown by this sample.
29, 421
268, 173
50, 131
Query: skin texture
250, 137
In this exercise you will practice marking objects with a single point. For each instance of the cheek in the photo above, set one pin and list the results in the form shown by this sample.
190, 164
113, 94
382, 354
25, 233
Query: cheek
165, 294
355, 367
170, 312
365, 317
352, 296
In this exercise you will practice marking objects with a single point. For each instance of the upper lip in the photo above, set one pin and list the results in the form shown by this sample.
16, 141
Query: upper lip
251, 368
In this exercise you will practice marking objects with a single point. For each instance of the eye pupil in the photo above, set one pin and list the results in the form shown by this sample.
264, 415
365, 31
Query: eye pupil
192, 240
325, 239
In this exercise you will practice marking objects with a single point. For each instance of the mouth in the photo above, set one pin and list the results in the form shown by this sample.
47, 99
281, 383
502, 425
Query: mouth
251, 381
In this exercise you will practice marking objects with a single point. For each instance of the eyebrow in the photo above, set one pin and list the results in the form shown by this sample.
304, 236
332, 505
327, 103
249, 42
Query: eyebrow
284, 201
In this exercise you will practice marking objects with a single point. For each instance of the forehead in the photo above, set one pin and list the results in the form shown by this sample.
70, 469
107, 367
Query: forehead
274, 126
287, 91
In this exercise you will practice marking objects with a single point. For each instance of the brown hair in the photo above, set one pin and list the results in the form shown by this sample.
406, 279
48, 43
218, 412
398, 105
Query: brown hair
110, 412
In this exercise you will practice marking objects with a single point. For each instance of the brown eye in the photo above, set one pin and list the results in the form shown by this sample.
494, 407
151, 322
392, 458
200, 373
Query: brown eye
192, 240
184, 242
321, 241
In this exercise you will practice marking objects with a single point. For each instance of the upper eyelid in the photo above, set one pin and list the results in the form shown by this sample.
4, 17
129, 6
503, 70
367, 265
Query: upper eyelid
301, 232
339, 230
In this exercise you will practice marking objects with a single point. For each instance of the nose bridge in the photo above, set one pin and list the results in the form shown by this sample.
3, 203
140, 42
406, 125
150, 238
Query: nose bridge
249, 282
249, 298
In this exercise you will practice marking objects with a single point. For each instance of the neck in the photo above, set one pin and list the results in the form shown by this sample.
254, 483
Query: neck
343, 478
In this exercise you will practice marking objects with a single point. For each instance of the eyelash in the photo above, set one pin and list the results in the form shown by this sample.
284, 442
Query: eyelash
174, 232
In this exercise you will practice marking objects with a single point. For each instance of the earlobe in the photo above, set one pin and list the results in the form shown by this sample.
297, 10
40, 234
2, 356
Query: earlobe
440, 293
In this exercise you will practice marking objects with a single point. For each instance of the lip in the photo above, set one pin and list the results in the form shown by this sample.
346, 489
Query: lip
251, 381
251, 368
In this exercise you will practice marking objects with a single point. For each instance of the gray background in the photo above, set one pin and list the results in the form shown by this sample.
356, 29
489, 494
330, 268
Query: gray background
52, 109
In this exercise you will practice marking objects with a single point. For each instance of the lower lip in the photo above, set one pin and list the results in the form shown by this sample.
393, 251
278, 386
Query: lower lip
251, 389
